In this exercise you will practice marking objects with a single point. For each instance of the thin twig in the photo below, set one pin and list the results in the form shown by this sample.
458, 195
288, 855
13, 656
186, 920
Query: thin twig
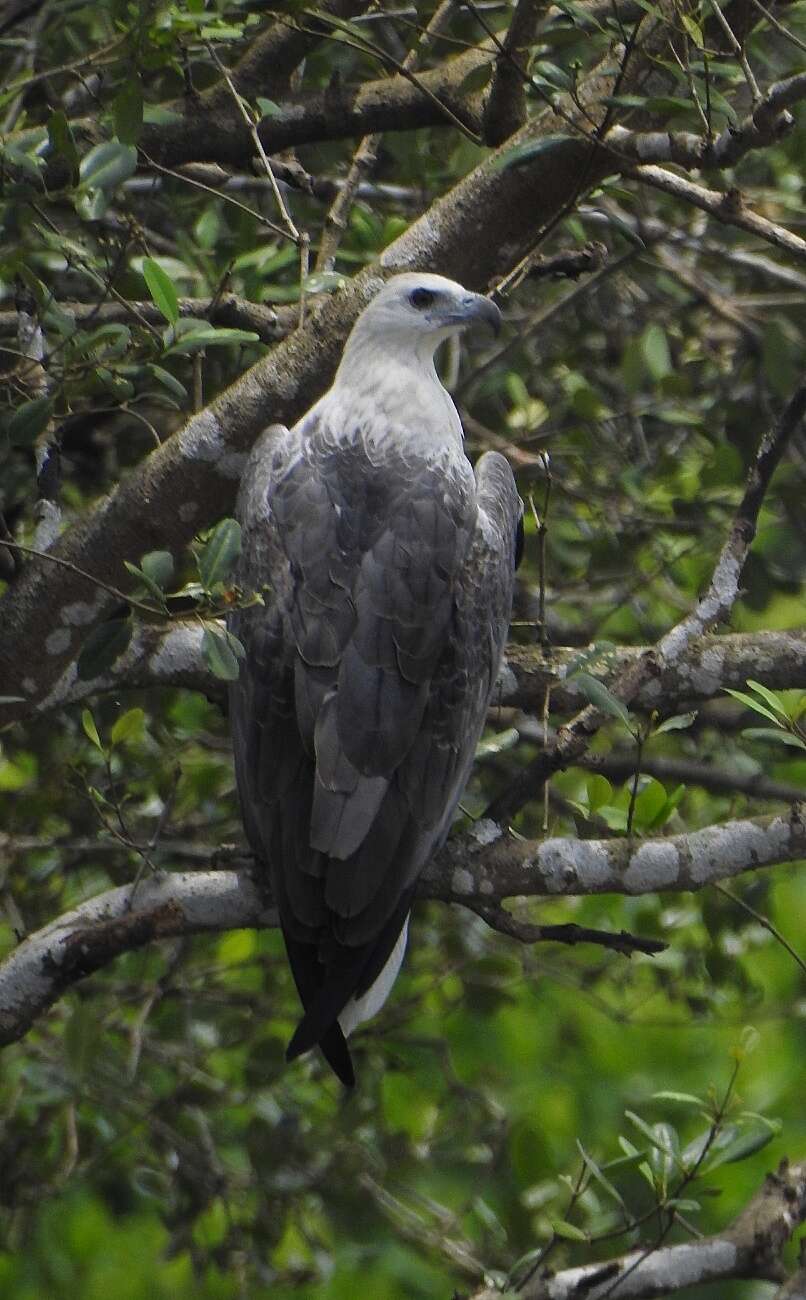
252, 128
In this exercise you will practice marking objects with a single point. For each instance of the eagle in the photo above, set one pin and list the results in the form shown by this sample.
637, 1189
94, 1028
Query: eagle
386, 566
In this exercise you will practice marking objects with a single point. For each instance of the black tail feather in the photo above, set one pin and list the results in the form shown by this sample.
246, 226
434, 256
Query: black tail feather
326, 990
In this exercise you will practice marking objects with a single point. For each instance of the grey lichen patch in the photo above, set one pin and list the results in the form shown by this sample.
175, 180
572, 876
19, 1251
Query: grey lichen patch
179, 651
719, 851
485, 831
461, 881
707, 675
654, 866
506, 684
58, 641
82, 612
574, 866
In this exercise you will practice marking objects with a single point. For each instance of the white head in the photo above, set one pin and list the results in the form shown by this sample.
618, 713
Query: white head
415, 311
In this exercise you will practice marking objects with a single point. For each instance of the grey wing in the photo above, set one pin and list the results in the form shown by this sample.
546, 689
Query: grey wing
366, 682
439, 764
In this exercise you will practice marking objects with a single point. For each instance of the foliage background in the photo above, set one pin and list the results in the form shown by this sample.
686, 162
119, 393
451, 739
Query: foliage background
153, 1142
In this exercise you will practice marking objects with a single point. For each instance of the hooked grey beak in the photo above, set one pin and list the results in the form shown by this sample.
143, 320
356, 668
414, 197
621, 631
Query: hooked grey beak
475, 307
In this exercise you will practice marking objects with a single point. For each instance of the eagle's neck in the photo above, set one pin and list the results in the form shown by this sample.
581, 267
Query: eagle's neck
392, 386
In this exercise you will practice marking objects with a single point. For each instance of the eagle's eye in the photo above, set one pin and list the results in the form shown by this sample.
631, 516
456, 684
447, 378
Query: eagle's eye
421, 298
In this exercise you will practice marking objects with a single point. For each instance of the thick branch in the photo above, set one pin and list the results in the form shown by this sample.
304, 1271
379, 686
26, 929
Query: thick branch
478, 869
160, 655
505, 110
484, 224
207, 129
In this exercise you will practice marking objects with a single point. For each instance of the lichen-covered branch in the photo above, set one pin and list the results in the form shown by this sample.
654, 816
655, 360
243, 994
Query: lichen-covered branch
478, 229
170, 655
750, 1247
477, 869
769, 121
715, 605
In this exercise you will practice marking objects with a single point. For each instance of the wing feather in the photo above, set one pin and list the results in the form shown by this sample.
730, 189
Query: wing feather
366, 683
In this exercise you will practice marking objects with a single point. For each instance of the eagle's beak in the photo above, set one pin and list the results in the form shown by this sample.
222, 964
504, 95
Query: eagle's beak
475, 307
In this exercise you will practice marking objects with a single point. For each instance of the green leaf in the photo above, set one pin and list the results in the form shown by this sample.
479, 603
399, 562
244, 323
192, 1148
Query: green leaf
569, 1231
268, 108
694, 30
127, 111
600, 1178
774, 701
498, 743
679, 722
29, 420
129, 726
324, 281
62, 141
521, 154
549, 74
151, 587
657, 1140
162, 289
219, 654
222, 549
685, 1098
105, 166
664, 1158
207, 336
666, 809
90, 729
669, 105
158, 566
475, 80
655, 351
103, 646
600, 791
749, 702
168, 381
767, 733
746, 1144
601, 698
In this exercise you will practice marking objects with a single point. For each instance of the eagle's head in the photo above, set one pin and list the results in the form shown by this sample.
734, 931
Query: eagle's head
424, 309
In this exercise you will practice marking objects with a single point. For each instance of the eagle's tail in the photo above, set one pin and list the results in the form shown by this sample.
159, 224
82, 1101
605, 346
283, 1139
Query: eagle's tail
325, 990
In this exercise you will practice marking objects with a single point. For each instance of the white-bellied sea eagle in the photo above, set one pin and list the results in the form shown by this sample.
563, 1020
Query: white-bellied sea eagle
387, 568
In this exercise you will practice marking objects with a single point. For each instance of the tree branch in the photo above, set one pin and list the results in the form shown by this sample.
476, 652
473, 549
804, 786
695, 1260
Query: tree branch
471, 234
750, 1247
727, 207
170, 655
505, 109
768, 123
571, 740
477, 869
227, 309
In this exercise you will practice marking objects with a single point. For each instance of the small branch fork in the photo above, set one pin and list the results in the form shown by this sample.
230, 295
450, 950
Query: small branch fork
750, 1247
572, 739
525, 932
